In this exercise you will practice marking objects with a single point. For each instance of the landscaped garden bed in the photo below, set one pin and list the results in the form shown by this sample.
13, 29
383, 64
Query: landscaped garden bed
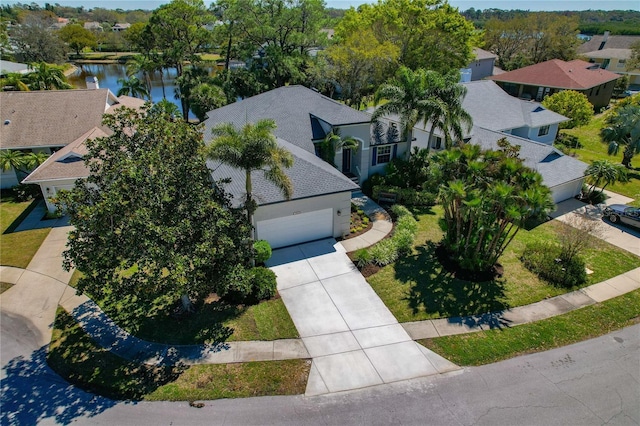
417, 286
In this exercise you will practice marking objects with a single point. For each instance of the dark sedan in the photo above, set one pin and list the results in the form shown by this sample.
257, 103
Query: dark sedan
620, 213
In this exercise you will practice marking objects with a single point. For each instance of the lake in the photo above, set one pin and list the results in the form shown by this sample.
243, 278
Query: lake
108, 75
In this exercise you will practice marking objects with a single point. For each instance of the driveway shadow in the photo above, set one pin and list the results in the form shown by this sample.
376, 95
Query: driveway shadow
32, 392
436, 291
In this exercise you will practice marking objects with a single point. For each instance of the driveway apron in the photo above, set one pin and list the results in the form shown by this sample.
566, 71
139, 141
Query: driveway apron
353, 338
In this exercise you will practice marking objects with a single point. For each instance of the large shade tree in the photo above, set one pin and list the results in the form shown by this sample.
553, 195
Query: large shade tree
487, 196
253, 148
148, 223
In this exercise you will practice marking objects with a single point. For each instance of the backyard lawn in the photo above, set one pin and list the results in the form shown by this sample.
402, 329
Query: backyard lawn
594, 149
17, 248
416, 287
77, 358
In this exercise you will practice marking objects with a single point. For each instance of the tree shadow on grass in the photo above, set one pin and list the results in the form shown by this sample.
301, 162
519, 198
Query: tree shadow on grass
32, 392
438, 292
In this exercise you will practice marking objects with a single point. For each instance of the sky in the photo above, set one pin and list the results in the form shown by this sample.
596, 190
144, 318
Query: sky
533, 5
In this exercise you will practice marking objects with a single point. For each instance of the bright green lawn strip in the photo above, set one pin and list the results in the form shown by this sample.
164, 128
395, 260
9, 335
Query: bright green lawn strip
594, 149
485, 347
17, 248
76, 357
417, 288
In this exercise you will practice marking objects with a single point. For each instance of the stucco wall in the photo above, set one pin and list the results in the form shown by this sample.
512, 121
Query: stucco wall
339, 202
50, 190
481, 69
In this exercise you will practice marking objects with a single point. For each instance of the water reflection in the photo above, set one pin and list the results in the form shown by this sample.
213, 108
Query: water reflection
108, 75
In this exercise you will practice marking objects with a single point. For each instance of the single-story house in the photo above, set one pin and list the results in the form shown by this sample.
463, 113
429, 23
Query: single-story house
321, 201
546, 78
49, 120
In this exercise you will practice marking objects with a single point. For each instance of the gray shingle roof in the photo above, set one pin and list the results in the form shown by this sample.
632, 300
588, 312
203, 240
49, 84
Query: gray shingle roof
67, 163
53, 118
291, 107
555, 167
493, 108
309, 175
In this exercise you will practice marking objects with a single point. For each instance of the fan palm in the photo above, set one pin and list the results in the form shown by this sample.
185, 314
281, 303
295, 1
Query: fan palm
253, 148
46, 77
132, 86
623, 129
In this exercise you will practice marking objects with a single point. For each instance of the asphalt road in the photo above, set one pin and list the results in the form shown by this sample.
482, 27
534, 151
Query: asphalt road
590, 383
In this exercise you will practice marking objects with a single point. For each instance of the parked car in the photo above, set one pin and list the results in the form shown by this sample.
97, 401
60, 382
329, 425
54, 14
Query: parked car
620, 213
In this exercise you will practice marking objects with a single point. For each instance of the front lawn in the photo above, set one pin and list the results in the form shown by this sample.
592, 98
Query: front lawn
416, 287
77, 358
17, 248
594, 149
485, 347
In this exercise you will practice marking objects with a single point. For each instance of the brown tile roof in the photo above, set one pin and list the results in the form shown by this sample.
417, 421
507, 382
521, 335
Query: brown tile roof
68, 162
613, 42
559, 74
53, 118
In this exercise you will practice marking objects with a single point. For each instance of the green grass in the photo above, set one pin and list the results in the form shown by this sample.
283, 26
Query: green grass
416, 287
485, 347
17, 248
5, 286
77, 358
594, 149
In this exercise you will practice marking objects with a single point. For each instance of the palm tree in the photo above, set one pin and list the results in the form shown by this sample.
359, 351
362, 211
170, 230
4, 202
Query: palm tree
15, 82
425, 96
253, 148
444, 109
406, 96
132, 86
623, 129
46, 77
334, 142
20, 162
144, 65
603, 172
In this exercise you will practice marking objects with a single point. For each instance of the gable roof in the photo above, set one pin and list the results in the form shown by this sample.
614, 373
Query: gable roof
598, 42
555, 167
494, 109
576, 74
481, 54
68, 162
310, 176
609, 53
292, 108
54, 118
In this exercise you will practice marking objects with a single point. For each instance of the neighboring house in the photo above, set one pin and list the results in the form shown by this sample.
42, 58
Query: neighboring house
49, 120
7, 67
614, 60
121, 26
93, 26
481, 67
497, 115
320, 206
607, 41
546, 78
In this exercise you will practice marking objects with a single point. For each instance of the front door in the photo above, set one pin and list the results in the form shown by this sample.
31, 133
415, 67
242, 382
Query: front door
346, 160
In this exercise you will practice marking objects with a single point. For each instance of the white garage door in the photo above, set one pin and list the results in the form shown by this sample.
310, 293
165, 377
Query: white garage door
566, 191
295, 229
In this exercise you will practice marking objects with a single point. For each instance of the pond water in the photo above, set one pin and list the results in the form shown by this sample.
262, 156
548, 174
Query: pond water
108, 75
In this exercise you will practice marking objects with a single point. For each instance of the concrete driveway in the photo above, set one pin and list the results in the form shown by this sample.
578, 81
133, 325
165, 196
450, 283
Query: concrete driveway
353, 338
625, 237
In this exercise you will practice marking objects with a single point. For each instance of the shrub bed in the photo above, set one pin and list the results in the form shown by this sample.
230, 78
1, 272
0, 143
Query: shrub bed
546, 261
